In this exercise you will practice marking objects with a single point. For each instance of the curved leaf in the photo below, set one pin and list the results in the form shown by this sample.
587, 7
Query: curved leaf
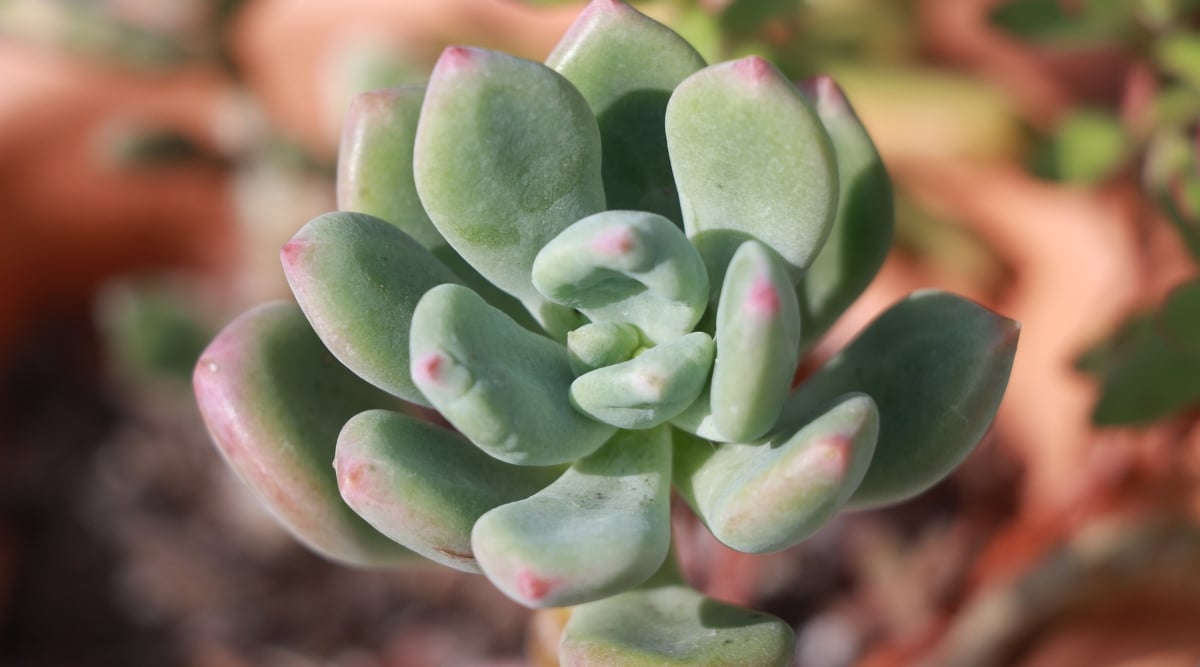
626, 266
936, 365
503, 386
770, 495
601, 528
274, 399
358, 279
626, 65
751, 161
424, 486
507, 155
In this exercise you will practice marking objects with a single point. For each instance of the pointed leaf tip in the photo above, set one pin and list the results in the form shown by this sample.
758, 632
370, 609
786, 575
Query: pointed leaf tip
755, 69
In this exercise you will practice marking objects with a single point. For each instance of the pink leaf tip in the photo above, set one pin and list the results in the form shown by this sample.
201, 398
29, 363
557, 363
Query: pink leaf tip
762, 299
532, 587
455, 58
428, 369
292, 251
754, 68
614, 242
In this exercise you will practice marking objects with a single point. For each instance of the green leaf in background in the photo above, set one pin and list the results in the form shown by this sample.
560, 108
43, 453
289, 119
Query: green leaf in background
1087, 146
1144, 376
1066, 24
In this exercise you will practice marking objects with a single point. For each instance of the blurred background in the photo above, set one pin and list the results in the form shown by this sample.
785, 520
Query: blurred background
155, 154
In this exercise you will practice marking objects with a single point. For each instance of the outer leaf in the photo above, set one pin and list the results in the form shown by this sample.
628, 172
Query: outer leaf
504, 387
751, 160
665, 622
936, 365
507, 155
602, 528
375, 166
375, 176
626, 266
358, 279
273, 399
862, 230
772, 494
626, 66
424, 486
648, 389
758, 344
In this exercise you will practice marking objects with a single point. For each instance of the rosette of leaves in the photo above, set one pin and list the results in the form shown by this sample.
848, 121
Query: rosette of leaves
556, 292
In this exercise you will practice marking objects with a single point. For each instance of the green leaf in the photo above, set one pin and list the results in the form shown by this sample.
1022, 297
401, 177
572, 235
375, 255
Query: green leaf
626, 266
758, 344
861, 234
665, 622
599, 344
1066, 24
936, 365
601, 528
752, 161
503, 386
772, 494
424, 486
507, 156
649, 389
358, 279
375, 165
274, 399
626, 66
1150, 369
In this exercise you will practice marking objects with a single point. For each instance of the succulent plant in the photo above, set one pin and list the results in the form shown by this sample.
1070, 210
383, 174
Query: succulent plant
553, 294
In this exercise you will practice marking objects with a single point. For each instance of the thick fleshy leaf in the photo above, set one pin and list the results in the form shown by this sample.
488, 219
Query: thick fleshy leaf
697, 418
424, 486
375, 176
375, 166
665, 622
758, 344
649, 389
358, 279
599, 344
751, 160
626, 266
772, 494
274, 399
601, 528
626, 66
936, 365
503, 386
507, 156
862, 229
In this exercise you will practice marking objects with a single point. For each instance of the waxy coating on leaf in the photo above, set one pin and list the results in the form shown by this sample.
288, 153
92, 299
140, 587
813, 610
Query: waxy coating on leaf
375, 176
649, 389
358, 279
375, 166
665, 622
936, 365
758, 344
601, 528
503, 386
772, 494
626, 266
274, 399
752, 161
626, 65
507, 156
862, 230
392, 469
